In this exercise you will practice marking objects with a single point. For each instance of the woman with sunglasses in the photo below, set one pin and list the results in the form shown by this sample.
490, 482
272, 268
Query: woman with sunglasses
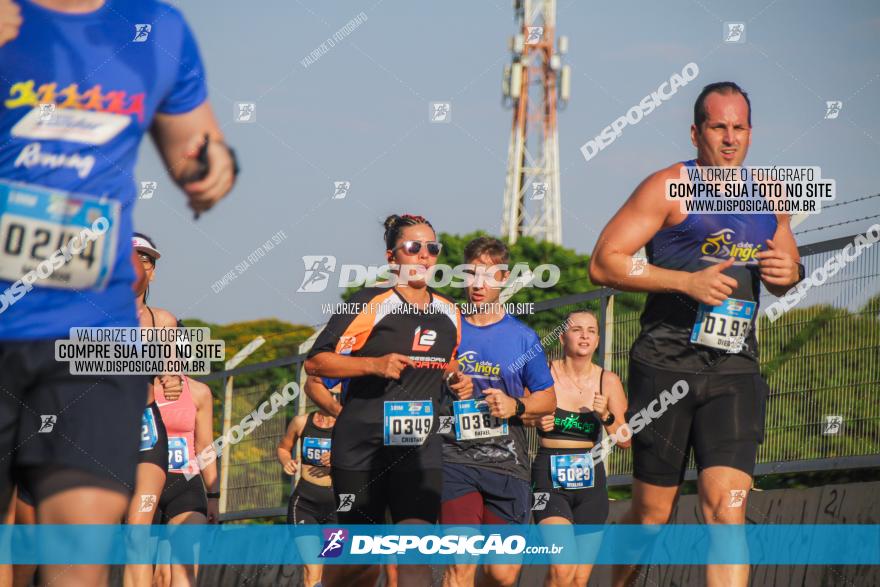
153, 455
186, 408
396, 345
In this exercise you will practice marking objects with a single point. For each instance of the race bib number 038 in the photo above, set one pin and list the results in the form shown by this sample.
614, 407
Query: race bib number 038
723, 327
572, 471
408, 423
473, 420
51, 235
313, 449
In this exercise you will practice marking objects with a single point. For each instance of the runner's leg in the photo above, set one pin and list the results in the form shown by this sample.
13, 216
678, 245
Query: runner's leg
651, 504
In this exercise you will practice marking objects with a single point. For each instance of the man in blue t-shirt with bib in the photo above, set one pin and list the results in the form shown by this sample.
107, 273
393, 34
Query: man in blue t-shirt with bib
81, 82
486, 467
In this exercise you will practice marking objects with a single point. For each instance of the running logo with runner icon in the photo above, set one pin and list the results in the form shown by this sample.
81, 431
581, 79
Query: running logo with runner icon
535, 34
734, 32
318, 270
148, 502
47, 112
737, 498
141, 32
334, 542
446, 423
47, 423
340, 189
541, 499
832, 109
346, 501
441, 112
148, 188
833, 424
245, 112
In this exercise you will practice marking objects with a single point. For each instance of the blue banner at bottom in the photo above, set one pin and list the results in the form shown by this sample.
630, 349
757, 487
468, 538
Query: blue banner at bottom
439, 545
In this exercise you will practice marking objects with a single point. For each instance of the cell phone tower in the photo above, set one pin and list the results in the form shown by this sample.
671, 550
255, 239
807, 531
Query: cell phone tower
535, 85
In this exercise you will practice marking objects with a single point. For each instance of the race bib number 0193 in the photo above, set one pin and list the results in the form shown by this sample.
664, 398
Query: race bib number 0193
473, 420
723, 327
52, 233
408, 423
572, 471
313, 449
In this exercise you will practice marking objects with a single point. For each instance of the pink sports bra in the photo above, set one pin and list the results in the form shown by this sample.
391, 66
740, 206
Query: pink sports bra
180, 422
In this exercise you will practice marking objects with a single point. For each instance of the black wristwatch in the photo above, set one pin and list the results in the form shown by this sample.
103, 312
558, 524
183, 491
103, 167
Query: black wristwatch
212, 494
609, 421
520, 407
802, 272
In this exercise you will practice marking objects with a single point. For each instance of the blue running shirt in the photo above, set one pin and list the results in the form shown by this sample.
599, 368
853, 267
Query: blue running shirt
77, 94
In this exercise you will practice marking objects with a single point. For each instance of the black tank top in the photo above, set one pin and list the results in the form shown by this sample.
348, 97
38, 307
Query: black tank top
311, 450
699, 241
576, 425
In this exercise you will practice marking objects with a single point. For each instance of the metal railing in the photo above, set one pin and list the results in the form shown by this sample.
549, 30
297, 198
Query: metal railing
821, 361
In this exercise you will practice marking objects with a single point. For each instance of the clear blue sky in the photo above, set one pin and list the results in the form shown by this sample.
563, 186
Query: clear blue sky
360, 114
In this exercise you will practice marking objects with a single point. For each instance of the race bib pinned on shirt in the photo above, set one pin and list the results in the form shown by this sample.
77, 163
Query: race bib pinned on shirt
313, 449
408, 423
572, 471
723, 327
149, 434
62, 240
178, 453
473, 421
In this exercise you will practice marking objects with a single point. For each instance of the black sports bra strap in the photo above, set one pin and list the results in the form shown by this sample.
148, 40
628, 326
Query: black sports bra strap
601, 380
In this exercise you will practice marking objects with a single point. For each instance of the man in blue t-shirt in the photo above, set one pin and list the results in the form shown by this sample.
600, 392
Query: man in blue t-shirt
486, 468
80, 84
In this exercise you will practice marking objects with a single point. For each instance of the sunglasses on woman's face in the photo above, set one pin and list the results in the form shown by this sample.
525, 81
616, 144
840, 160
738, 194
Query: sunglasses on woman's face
147, 260
413, 247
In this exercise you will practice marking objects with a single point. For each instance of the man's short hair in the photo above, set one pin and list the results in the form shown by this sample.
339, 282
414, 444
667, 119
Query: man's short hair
486, 245
725, 88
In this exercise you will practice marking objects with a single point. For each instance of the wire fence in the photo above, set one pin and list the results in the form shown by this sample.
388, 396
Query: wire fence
821, 360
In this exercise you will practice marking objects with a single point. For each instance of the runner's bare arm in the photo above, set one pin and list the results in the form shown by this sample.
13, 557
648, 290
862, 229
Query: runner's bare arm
204, 433
617, 405
329, 364
179, 137
779, 263
284, 451
321, 396
10, 21
645, 212
638, 220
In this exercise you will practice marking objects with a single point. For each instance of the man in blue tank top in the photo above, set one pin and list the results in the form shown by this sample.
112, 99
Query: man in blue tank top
703, 277
486, 466
81, 81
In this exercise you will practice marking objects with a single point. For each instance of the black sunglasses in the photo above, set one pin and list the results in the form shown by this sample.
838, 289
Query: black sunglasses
413, 247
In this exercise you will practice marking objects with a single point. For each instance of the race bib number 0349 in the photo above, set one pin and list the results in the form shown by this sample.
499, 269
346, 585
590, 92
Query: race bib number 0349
473, 420
51, 233
723, 327
408, 423
572, 471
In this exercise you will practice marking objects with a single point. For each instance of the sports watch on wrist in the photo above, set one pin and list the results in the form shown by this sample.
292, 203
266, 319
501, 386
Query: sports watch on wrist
520, 407
610, 420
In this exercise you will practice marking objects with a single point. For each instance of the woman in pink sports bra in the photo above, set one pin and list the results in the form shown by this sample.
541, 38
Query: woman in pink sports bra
184, 407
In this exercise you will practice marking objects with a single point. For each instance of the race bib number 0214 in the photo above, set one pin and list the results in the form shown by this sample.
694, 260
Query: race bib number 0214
574, 471
149, 435
723, 327
473, 421
408, 423
52, 233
